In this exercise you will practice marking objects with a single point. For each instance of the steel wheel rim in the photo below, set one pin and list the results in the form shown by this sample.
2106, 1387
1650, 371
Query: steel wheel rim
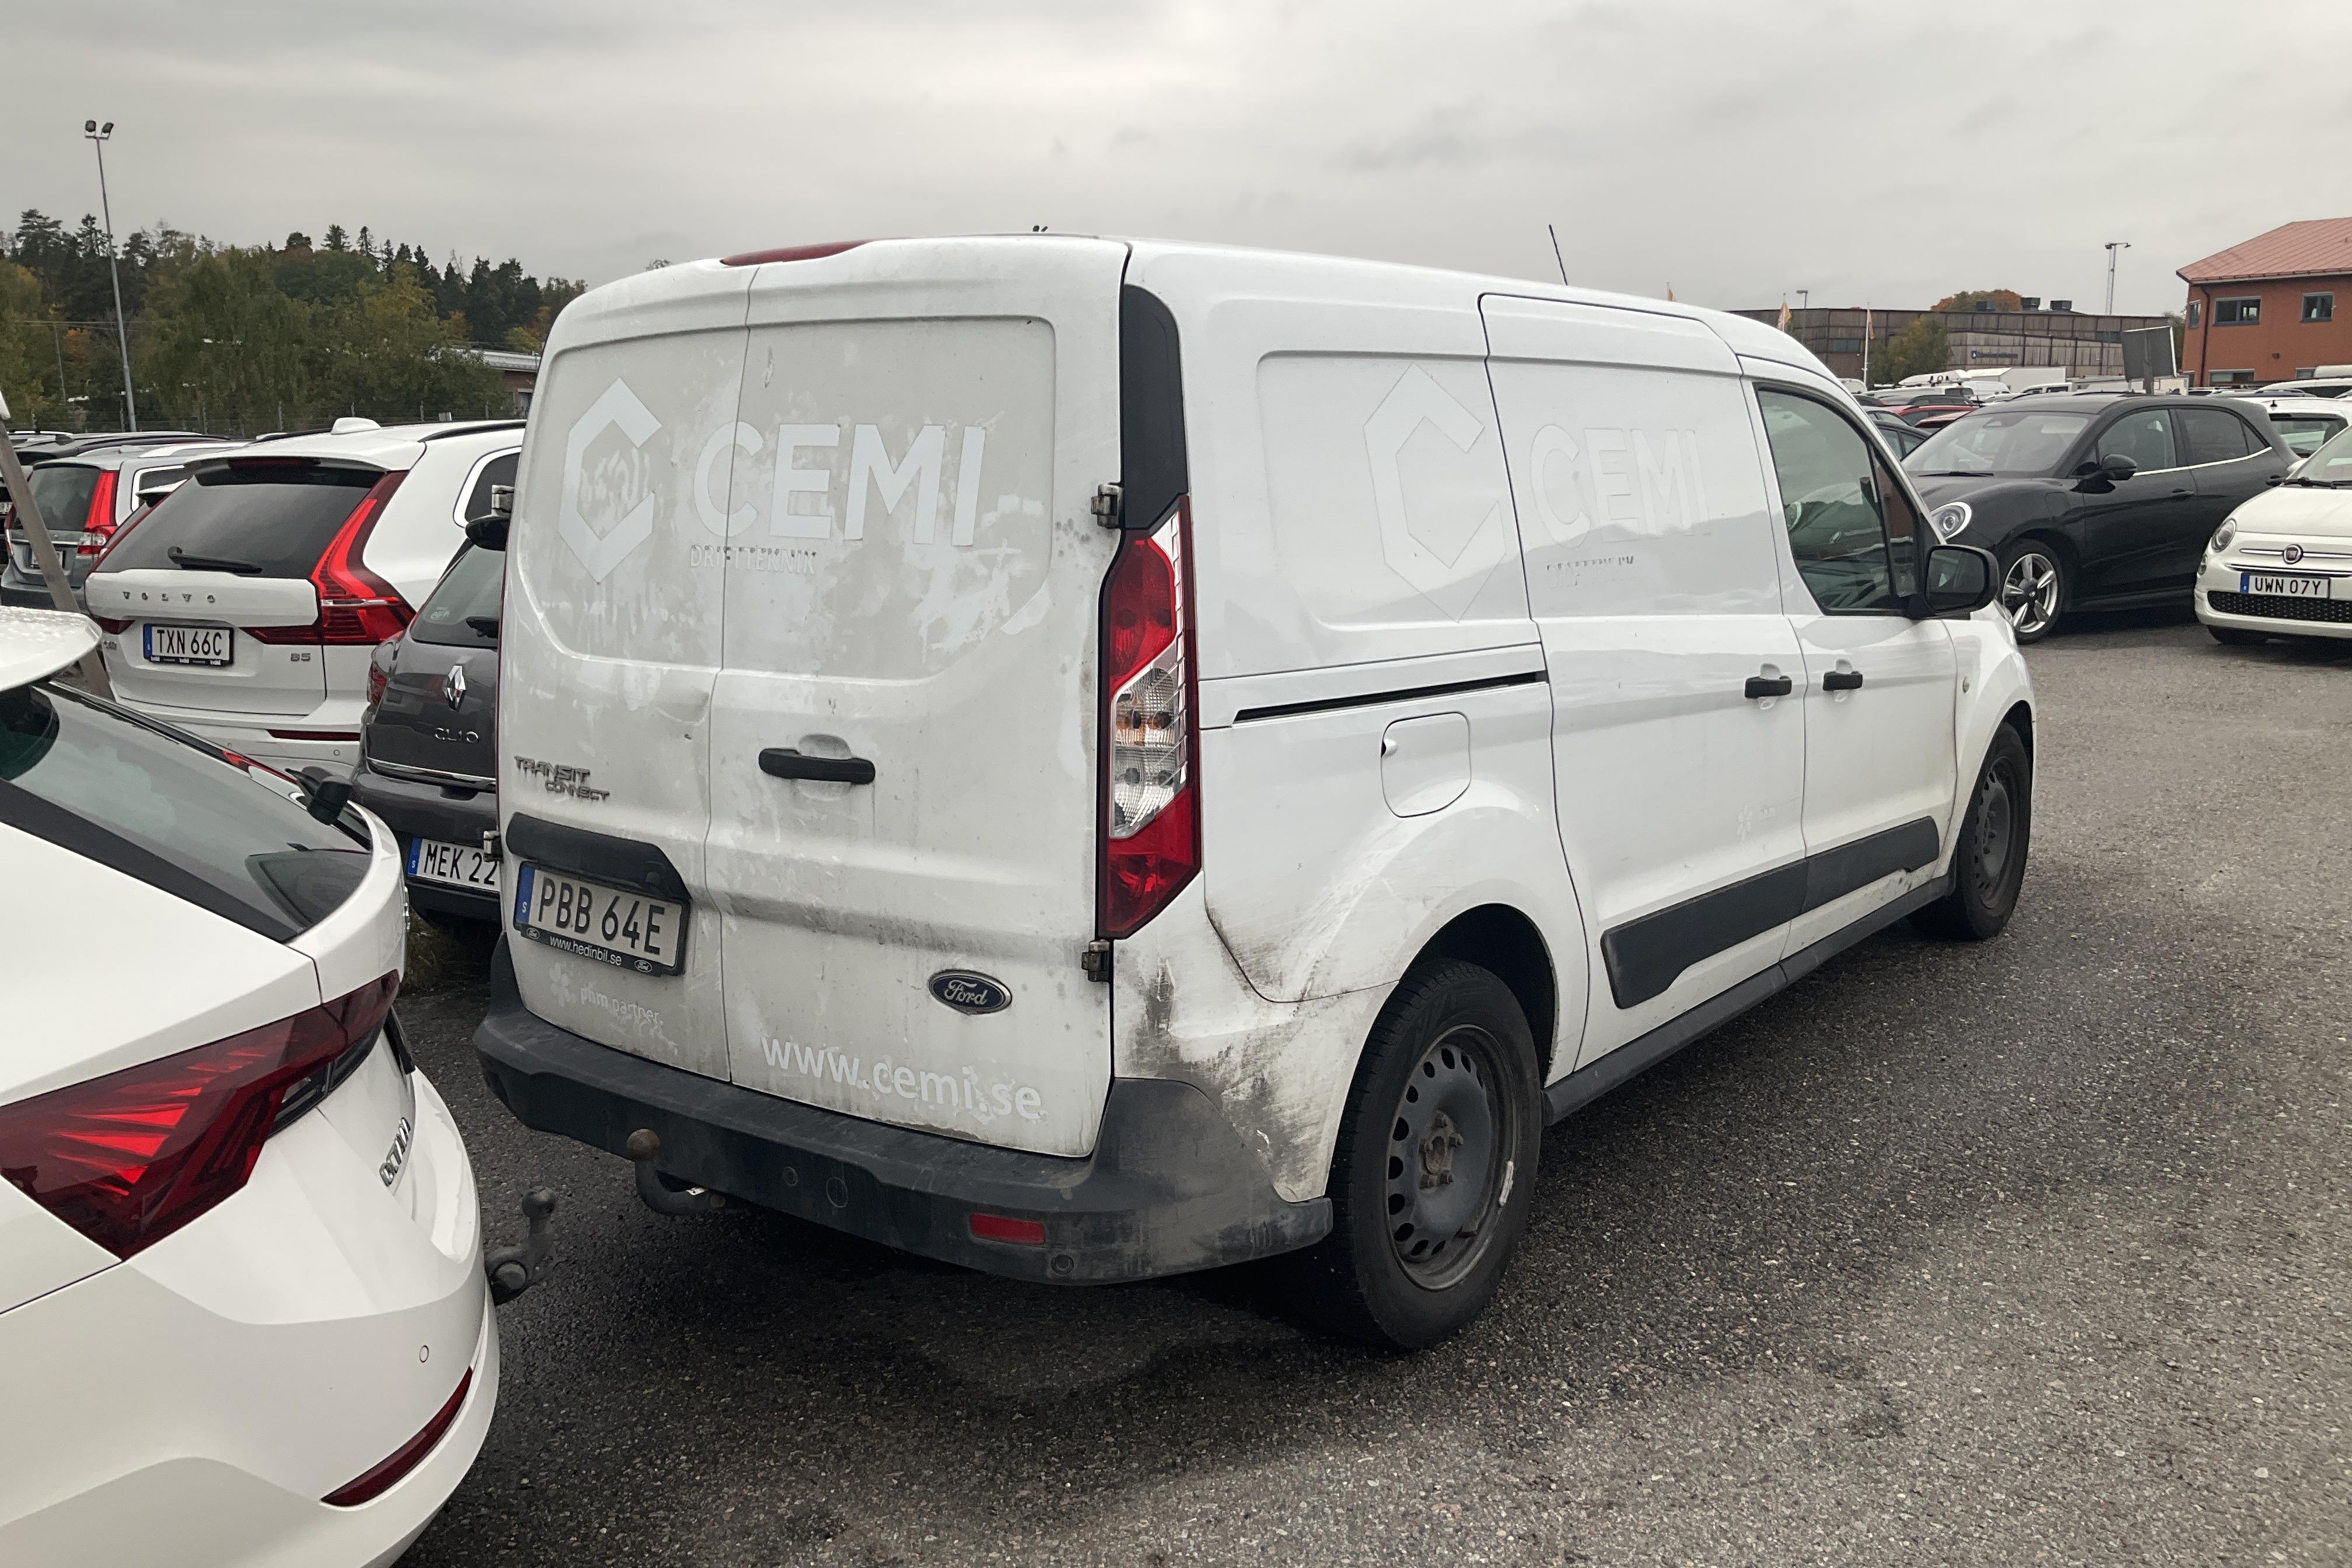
1449, 1160
1996, 830
2029, 592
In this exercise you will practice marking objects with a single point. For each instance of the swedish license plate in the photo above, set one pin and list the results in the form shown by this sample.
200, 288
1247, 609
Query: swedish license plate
2284, 587
453, 865
190, 645
627, 930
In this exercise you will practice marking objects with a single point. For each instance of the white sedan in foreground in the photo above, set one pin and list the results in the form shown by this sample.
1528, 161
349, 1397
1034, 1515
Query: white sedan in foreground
2280, 564
243, 1318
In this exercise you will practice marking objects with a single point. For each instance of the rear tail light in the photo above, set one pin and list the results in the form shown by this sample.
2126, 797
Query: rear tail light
107, 546
379, 676
1151, 816
130, 1157
356, 607
97, 523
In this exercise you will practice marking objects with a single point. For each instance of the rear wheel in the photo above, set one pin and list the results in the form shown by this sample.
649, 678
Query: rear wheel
1435, 1164
2234, 638
1988, 863
2032, 588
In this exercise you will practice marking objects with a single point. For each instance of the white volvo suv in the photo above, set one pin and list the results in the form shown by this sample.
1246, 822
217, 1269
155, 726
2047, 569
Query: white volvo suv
248, 604
1091, 758
243, 1316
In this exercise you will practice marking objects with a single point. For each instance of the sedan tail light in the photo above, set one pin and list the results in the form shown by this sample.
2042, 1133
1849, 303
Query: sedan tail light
129, 1158
1151, 809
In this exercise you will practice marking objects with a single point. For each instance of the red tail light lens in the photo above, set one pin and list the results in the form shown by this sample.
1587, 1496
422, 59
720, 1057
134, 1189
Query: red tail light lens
356, 607
1151, 820
106, 546
130, 1157
97, 523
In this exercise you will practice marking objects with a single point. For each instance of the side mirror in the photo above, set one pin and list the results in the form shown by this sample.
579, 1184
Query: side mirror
490, 532
2117, 467
1961, 579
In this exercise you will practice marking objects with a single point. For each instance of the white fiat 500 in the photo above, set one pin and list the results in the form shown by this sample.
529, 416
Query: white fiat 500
1091, 760
243, 1318
2280, 565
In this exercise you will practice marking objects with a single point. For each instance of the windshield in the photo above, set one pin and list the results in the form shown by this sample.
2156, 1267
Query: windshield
274, 518
463, 610
169, 811
2331, 465
2013, 441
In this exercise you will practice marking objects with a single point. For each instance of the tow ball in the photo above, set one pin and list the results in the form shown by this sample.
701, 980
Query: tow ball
515, 1269
660, 1195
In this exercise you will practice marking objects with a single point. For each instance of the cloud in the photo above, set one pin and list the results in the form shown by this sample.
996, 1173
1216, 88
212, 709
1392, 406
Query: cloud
1866, 152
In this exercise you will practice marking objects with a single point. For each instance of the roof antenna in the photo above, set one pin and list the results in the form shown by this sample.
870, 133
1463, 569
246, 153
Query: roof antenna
1555, 253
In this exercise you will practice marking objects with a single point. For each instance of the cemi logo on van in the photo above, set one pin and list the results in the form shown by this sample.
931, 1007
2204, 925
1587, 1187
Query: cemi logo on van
967, 992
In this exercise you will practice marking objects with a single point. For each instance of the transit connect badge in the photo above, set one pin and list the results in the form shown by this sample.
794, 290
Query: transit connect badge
967, 992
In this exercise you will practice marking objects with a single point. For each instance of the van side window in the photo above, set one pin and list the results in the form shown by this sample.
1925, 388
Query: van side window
1830, 486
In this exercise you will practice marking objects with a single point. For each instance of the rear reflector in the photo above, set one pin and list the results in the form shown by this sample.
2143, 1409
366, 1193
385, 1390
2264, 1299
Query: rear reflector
789, 253
129, 1158
999, 1227
405, 1458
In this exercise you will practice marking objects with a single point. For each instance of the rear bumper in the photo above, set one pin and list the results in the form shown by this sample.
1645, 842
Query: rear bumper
289, 742
414, 810
1170, 1188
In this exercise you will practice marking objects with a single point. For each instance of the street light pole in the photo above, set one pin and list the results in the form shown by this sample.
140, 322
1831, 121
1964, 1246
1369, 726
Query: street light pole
96, 136
2114, 245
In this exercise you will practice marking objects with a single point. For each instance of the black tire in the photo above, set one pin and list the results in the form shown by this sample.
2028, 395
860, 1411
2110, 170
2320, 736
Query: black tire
1989, 862
2033, 588
1448, 1075
2234, 638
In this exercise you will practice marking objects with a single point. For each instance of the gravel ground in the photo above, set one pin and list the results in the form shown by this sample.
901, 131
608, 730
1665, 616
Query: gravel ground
2027, 1253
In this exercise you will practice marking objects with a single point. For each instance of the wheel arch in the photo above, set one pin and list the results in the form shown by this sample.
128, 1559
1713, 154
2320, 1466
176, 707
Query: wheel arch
1504, 940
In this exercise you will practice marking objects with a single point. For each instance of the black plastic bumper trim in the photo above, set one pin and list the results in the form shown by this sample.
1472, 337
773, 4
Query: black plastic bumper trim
1168, 1189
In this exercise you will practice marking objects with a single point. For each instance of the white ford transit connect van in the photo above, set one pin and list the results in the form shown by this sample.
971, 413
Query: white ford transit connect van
1092, 759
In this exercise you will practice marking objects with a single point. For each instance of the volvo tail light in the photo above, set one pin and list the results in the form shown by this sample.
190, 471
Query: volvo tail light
129, 1158
1151, 810
356, 607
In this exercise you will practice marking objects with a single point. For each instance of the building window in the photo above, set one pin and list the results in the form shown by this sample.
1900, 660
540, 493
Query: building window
2319, 307
2196, 313
2232, 378
2244, 312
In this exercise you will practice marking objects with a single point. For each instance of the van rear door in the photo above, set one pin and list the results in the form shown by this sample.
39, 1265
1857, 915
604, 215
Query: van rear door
903, 768
609, 640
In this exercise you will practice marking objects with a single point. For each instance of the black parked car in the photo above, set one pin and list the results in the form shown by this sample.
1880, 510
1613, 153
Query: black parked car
1900, 434
428, 739
2095, 499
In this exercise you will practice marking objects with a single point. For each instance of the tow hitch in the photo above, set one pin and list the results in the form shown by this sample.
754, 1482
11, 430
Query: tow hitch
515, 1269
660, 1195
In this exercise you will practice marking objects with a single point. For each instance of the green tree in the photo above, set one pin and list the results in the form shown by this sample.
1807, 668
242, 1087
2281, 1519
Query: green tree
226, 346
29, 353
387, 352
1917, 348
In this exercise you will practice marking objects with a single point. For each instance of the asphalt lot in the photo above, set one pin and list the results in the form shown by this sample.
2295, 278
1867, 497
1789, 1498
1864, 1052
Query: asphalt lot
2029, 1253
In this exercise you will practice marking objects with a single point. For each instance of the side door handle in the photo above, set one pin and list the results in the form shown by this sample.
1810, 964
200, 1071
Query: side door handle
1842, 680
784, 762
2182, 493
1761, 686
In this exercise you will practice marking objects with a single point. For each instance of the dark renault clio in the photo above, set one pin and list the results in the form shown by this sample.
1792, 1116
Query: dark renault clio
2095, 501
428, 742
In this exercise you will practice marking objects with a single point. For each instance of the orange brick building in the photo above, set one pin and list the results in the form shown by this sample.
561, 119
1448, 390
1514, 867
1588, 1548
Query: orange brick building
2276, 307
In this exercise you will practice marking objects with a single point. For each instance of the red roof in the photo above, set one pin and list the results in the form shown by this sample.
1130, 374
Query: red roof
2314, 247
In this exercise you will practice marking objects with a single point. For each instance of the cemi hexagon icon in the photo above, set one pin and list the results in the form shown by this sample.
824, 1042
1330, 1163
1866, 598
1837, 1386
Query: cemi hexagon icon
1443, 561
619, 409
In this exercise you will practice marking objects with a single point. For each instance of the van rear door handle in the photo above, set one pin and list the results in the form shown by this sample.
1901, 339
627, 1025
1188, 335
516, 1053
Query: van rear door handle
1842, 680
1771, 686
784, 762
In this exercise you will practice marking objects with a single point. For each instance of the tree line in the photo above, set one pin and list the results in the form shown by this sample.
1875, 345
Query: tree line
245, 339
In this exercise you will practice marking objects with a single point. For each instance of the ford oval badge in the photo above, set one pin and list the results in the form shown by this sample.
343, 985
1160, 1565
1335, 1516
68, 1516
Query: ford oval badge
967, 992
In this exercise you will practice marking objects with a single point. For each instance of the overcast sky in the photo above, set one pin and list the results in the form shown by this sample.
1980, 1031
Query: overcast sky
1888, 151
